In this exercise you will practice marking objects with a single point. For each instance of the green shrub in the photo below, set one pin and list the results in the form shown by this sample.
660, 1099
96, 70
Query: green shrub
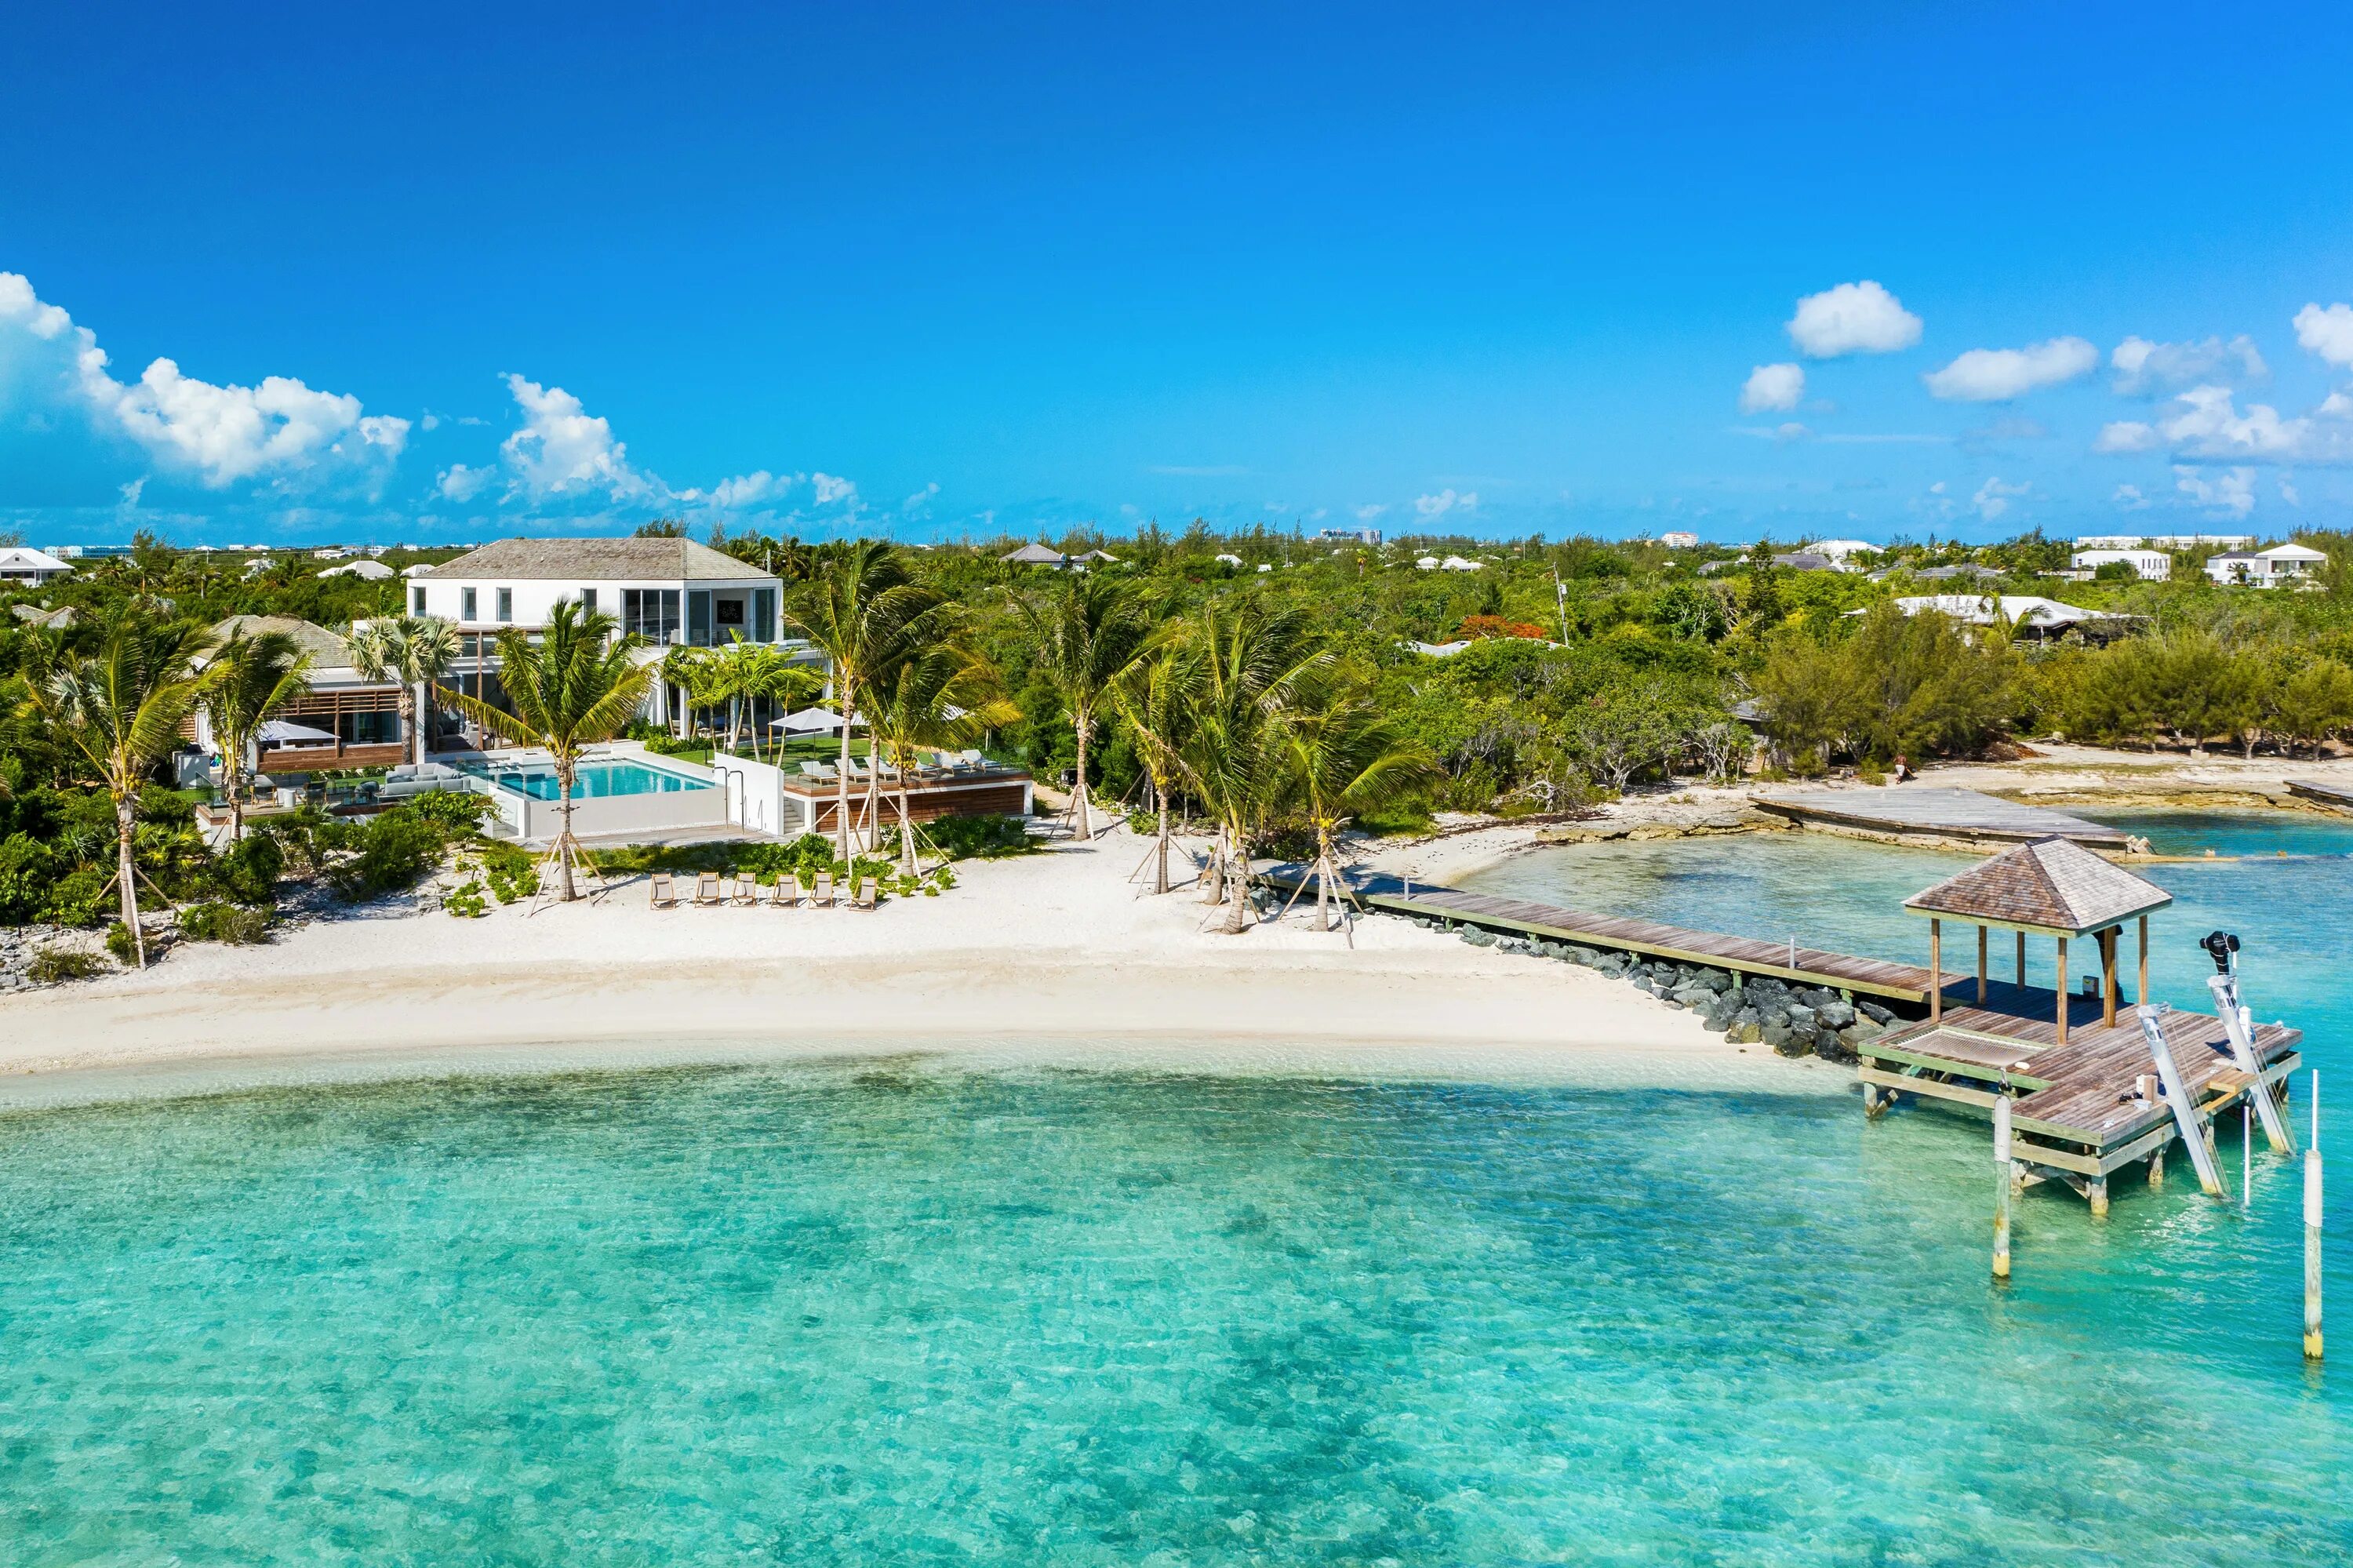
465, 901
54, 966
248, 870
29, 871
76, 898
668, 745
119, 943
218, 922
978, 837
396, 851
454, 811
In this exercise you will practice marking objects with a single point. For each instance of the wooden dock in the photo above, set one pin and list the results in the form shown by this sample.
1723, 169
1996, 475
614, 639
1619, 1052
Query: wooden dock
2336, 797
2083, 1109
1742, 955
1927, 814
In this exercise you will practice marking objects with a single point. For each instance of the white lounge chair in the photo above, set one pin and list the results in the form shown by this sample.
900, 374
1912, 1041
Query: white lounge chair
786, 894
706, 888
665, 895
864, 897
821, 890
747, 890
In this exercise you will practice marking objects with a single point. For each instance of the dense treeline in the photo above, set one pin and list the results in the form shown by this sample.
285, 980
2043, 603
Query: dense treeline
1585, 668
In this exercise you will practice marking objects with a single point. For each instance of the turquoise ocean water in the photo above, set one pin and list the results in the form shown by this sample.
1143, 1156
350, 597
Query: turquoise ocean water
913, 1313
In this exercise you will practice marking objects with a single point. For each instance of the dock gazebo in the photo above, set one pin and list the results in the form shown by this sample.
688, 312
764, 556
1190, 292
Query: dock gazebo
2050, 887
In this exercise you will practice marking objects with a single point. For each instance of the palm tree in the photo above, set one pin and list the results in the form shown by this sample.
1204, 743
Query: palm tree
1091, 628
1342, 754
1157, 695
248, 681
118, 711
1255, 658
413, 650
578, 686
940, 695
861, 608
766, 670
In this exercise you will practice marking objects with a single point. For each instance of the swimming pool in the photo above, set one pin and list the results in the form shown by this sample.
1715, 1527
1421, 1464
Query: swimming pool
590, 780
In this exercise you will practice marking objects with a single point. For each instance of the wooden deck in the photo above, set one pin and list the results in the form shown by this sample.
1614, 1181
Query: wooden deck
2076, 1106
1747, 955
1929, 814
2336, 797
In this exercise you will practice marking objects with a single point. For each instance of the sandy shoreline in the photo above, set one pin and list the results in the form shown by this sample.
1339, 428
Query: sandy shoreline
1053, 957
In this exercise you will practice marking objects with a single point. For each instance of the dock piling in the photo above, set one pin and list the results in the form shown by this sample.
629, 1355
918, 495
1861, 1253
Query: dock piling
2311, 1232
2001, 1187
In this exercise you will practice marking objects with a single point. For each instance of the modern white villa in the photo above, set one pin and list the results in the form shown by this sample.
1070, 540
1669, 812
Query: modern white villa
2289, 564
2149, 566
670, 592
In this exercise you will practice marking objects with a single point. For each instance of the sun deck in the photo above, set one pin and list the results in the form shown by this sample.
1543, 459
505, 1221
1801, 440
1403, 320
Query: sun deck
1929, 814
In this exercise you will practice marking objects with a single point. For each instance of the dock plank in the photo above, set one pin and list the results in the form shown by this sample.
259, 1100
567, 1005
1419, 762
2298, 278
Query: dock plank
1930, 812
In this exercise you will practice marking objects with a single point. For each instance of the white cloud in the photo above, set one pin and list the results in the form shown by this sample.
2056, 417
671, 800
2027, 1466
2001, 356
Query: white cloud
430, 422
2328, 334
1774, 388
831, 488
1993, 497
2288, 491
218, 434
746, 490
1446, 501
1369, 510
460, 483
2125, 436
919, 505
2205, 422
2231, 495
2145, 369
563, 450
1994, 374
2128, 498
1853, 318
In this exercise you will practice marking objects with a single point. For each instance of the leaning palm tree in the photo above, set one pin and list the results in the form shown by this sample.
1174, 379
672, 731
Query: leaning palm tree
1255, 658
862, 609
1090, 629
767, 671
248, 681
1341, 754
1156, 696
941, 695
118, 713
578, 686
414, 651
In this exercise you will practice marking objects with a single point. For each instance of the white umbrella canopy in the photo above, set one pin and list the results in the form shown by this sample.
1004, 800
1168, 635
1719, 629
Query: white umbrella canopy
282, 732
812, 721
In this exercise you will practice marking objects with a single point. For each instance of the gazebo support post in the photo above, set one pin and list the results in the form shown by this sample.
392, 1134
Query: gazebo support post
2021, 960
1981, 966
2143, 998
2110, 940
2062, 989
1936, 971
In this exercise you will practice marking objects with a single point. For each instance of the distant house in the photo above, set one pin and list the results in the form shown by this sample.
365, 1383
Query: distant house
1047, 556
1841, 552
366, 571
47, 619
2149, 566
2164, 541
1960, 569
2264, 568
1807, 561
21, 566
1348, 536
2029, 614
1680, 541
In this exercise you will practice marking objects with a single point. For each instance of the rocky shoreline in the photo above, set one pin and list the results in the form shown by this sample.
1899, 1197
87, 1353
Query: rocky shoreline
1793, 1021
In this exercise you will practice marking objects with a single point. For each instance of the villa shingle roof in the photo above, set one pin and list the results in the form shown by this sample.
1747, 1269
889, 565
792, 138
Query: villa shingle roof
597, 560
327, 650
2051, 884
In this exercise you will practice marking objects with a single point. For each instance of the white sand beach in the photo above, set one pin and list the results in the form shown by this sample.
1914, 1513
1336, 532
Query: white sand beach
1058, 952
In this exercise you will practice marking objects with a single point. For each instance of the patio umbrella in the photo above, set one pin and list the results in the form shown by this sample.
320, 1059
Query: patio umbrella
280, 731
812, 721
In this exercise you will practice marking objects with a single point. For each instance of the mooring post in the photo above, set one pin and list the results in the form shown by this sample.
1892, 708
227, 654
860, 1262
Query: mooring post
2096, 1191
2002, 1186
2021, 960
1981, 966
2311, 1232
2143, 998
2060, 984
1936, 971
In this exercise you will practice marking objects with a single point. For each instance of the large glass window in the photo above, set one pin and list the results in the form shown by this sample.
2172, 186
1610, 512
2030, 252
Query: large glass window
417, 601
506, 606
698, 618
764, 615
588, 599
469, 607
651, 613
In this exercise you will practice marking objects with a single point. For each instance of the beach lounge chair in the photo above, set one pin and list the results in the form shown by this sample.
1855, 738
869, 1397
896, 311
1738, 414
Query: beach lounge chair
747, 890
971, 759
786, 894
816, 769
706, 888
821, 890
665, 895
864, 897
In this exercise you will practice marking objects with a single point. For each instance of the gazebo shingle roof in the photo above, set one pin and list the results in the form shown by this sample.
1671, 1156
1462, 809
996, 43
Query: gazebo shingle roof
2051, 884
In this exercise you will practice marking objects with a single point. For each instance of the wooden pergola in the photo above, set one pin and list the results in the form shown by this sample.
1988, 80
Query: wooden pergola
2047, 888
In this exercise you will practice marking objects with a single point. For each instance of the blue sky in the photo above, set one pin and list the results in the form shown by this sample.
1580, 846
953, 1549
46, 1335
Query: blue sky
450, 273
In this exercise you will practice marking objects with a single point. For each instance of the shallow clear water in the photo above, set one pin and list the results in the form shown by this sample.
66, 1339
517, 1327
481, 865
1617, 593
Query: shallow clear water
913, 1313
594, 779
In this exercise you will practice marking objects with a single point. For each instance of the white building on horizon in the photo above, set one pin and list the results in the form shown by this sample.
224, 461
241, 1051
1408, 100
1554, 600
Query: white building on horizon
2292, 564
2149, 566
22, 566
